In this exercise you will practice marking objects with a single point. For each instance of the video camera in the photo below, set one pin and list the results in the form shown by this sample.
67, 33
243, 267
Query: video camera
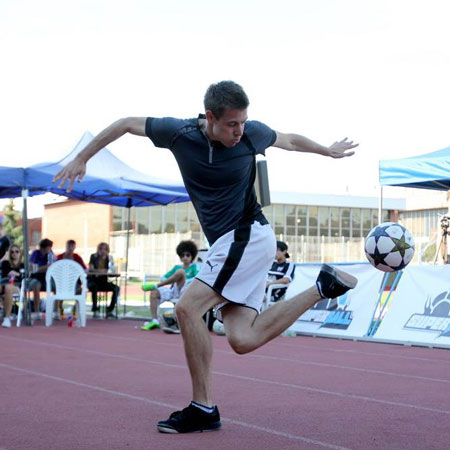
445, 222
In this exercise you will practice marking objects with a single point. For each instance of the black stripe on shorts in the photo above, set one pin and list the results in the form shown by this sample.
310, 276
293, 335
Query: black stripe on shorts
241, 238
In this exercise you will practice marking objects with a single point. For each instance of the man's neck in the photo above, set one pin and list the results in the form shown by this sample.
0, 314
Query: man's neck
205, 128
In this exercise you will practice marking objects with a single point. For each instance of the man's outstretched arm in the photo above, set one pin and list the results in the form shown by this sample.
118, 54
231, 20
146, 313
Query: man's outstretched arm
76, 169
297, 143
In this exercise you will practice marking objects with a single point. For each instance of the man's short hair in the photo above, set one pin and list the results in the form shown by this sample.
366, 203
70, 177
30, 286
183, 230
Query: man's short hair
71, 242
225, 95
44, 243
187, 247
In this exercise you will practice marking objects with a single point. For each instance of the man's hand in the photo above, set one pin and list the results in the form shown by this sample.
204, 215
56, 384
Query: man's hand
340, 149
76, 169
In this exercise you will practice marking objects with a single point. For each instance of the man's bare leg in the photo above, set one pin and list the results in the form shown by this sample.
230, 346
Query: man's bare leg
247, 331
8, 299
195, 302
179, 277
37, 297
155, 297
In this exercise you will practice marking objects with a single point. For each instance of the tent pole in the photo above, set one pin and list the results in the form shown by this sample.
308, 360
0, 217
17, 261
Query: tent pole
380, 206
26, 310
126, 256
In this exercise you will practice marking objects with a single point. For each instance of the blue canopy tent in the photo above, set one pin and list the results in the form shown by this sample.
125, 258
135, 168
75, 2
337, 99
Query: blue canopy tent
428, 171
108, 180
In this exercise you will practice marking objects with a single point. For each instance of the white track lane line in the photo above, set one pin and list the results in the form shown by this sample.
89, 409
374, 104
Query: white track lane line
240, 377
382, 355
312, 363
173, 407
309, 347
297, 346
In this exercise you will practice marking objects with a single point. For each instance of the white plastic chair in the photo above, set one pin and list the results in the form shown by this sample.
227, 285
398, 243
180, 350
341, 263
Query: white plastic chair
65, 274
267, 303
21, 300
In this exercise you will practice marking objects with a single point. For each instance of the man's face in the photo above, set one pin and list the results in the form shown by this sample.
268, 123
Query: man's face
70, 248
229, 128
186, 258
103, 251
46, 250
280, 256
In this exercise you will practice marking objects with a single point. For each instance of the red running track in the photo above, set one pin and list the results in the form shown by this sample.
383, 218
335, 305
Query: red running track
106, 386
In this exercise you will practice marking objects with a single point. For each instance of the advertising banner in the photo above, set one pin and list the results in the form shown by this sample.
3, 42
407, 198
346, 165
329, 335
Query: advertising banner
420, 310
348, 315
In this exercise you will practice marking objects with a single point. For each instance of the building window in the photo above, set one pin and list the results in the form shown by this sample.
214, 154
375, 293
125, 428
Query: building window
155, 219
117, 219
169, 219
182, 218
324, 221
345, 222
142, 220
279, 220
302, 215
313, 218
356, 222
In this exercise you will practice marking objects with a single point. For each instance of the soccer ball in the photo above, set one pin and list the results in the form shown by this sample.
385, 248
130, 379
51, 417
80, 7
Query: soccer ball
389, 247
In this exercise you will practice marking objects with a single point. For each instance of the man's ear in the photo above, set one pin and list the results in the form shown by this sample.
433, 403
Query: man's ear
210, 117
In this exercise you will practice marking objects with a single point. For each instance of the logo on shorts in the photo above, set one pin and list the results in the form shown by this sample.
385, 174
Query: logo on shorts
211, 266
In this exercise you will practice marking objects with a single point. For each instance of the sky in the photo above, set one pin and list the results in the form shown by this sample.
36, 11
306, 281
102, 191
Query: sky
375, 71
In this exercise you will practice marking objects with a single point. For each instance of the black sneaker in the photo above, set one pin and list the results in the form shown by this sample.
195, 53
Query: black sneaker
332, 282
191, 420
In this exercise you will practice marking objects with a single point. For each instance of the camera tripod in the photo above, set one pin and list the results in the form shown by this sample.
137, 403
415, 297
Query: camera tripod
442, 246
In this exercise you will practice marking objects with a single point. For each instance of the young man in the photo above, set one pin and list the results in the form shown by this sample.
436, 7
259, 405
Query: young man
178, 278
281, 272
40, 260
69, 254
100, 264
216, 155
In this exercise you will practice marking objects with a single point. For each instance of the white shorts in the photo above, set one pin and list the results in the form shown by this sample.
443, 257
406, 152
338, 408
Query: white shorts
237, 265
172, 292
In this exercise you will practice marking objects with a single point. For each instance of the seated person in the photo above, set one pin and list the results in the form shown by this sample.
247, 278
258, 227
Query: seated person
178, 278
4, 242
12, 270
100, 264
40, 261
70, 254
281, 272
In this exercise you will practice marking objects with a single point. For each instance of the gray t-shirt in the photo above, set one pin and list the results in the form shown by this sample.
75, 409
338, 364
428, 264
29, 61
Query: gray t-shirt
219, 179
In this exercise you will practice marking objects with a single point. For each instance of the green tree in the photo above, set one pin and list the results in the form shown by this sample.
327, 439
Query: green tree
11, 218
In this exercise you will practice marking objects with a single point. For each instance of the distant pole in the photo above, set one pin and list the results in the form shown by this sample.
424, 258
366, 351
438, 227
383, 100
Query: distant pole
25, 309
380, 206
126, 256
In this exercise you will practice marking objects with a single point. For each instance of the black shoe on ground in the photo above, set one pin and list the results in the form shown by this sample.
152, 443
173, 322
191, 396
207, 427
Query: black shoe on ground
332, 282
191, 420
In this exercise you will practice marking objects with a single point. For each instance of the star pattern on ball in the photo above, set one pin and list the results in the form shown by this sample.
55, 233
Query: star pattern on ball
378, 257
381, 231
400, 245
